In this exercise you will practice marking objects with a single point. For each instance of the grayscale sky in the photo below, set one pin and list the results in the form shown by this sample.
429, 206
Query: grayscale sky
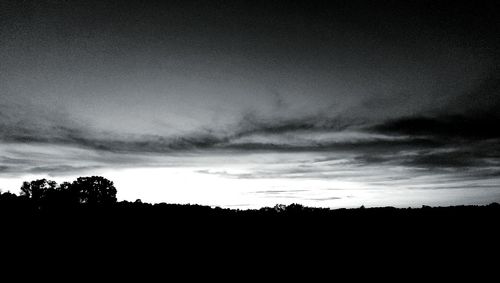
252, 103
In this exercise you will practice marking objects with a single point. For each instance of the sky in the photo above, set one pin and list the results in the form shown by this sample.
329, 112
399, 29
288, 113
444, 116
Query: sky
246, 104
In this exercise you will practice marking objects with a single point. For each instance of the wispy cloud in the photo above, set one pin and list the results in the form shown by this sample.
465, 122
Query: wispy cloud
53, 144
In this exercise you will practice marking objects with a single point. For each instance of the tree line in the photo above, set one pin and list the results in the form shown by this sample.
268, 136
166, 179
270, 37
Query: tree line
91, 191
99, 192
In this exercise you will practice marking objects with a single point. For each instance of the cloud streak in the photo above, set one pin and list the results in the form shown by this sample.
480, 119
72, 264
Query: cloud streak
422, 142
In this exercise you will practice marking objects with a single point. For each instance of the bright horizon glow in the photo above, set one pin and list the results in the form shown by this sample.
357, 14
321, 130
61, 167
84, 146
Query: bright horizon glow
190, 186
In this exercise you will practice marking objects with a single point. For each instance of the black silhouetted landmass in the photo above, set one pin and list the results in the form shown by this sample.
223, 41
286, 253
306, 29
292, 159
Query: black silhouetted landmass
86, 214
95, 198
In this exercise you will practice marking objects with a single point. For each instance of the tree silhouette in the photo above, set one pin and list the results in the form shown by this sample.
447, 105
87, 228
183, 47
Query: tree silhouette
38, 189
67, 193
62, 196
94, 190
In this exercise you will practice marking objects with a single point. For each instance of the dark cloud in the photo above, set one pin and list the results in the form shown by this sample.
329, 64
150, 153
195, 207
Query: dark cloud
456, 126
55, 129
477, 158
469, 115
461, 158
373, 145
252, 124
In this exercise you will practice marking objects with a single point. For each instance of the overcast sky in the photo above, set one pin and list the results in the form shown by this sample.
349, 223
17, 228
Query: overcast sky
251, 103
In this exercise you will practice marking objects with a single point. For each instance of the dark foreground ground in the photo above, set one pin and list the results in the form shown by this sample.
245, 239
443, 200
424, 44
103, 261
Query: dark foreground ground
163, 237
267, 224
